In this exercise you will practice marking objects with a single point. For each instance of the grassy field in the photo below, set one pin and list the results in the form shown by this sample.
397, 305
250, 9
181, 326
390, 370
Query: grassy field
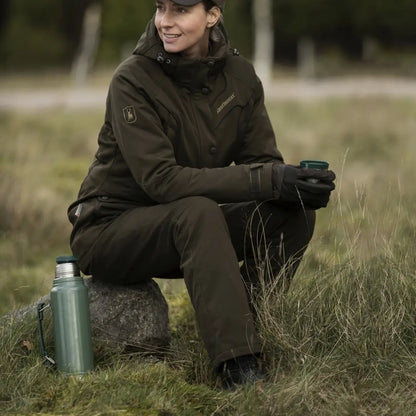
341, 342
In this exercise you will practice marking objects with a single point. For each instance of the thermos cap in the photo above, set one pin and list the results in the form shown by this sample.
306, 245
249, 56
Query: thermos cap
66, 266
66, 259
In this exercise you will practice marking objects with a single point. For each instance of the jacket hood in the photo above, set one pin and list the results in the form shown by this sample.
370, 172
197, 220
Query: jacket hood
188, 72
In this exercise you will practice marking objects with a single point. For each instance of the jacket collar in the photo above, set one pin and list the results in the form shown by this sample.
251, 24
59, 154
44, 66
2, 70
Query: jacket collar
191, 74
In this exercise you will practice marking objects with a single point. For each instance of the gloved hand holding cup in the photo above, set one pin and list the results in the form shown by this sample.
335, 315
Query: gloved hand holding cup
314, 164
308, 185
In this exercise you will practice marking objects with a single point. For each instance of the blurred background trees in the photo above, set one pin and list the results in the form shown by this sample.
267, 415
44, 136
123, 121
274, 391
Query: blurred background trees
47, 33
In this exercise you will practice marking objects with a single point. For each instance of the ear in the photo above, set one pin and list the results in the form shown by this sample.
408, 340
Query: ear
214, 15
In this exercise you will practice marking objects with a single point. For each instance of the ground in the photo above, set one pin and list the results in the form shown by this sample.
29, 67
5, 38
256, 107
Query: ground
29, 98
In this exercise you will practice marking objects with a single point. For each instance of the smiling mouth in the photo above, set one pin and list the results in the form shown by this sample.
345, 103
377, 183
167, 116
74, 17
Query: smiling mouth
170, 36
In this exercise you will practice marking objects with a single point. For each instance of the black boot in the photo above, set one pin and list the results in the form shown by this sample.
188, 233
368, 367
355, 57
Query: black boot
240, 370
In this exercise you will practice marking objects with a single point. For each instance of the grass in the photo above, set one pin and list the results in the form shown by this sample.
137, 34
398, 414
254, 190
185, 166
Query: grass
342, 341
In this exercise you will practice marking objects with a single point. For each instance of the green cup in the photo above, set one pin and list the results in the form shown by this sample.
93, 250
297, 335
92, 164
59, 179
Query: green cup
314, 164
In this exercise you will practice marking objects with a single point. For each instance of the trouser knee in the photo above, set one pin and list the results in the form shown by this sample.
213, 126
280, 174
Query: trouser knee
293, 229
287, 235
200, 215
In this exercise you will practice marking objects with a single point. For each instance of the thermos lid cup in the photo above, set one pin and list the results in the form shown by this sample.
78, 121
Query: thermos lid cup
66, 266
314, 164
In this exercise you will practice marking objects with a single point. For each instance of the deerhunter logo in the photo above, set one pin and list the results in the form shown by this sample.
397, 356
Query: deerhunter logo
225, 103
129, 114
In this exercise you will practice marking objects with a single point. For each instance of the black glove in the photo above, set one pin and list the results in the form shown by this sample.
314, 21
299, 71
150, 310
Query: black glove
291, 186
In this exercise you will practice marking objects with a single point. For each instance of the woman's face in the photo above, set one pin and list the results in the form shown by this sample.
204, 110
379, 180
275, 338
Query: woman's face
185, 29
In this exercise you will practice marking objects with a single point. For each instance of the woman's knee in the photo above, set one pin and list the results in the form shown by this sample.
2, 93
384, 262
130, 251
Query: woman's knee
200, 226
302, 226
197, 210
294, 225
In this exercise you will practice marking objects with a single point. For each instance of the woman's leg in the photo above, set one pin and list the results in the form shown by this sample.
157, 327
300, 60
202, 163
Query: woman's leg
192, 235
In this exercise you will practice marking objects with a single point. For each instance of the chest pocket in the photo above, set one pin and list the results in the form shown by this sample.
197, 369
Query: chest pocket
228, 120
225, 107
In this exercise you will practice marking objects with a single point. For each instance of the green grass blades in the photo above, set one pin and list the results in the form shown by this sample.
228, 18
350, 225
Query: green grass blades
339, 342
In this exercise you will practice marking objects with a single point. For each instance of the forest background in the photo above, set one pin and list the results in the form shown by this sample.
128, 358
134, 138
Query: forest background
346, 28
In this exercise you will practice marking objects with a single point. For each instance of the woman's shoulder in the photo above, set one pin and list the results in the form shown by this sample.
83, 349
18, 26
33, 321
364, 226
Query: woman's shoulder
240, 68
134, 67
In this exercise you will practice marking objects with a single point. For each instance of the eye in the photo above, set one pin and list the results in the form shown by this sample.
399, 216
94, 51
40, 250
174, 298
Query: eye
182, 10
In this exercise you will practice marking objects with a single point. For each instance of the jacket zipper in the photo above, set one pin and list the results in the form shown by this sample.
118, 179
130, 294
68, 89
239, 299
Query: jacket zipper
196, 127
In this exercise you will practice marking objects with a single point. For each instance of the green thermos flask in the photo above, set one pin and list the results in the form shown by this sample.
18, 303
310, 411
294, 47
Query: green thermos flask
71, 319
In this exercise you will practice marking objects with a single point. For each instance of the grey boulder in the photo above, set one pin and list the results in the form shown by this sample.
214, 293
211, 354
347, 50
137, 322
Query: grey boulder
129, 317
124, 318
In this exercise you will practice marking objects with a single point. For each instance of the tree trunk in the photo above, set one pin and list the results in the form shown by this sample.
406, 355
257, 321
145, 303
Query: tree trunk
264, 39
306, 58
89, 44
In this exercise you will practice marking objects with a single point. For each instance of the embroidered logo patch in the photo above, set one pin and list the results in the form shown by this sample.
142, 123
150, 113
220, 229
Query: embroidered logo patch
226, 102
129, 114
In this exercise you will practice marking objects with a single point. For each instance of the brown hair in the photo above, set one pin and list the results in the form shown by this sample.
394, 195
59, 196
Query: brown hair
208, 4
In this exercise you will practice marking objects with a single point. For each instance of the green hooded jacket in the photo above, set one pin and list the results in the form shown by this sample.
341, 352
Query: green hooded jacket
176, 128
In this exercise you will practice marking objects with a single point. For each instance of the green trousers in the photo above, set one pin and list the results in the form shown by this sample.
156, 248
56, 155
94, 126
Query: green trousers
203, 242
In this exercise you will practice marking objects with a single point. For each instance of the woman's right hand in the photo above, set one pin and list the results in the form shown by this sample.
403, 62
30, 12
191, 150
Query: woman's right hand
291, 185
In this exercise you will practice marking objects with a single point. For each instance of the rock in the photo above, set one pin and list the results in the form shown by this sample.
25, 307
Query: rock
133, 317
126, 317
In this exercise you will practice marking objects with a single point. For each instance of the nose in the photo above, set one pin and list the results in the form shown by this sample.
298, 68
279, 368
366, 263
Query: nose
166, 19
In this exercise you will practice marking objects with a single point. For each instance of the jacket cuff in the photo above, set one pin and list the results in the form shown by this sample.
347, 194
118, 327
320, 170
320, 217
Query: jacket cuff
261, 185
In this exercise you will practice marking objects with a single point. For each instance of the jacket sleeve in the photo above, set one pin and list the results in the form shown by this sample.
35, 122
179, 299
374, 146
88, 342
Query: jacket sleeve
258, 141
150, 156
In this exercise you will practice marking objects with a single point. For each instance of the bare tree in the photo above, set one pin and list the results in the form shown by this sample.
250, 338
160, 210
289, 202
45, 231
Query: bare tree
264, 39
89, 44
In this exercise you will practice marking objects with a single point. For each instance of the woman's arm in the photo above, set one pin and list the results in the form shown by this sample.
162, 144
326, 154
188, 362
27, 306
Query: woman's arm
150, 156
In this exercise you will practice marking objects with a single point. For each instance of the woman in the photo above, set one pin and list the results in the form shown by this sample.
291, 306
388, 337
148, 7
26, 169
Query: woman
186, 171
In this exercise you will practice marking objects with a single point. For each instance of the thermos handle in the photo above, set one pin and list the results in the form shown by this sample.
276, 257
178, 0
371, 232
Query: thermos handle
48, 361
